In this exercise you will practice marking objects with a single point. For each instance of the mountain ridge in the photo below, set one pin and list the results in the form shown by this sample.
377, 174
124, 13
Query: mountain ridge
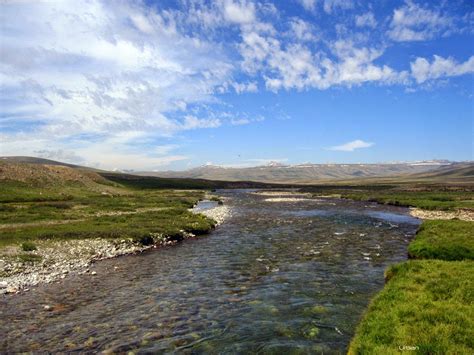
304, 173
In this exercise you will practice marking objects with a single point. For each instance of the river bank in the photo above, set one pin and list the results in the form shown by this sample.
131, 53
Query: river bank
426, 303
54, 260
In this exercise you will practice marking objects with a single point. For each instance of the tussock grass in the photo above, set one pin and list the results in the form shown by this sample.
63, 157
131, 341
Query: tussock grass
28, 246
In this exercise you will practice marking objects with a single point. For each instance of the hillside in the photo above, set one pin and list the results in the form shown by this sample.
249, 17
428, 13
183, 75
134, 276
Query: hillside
45, 175
49, 180
305, 173
34, 160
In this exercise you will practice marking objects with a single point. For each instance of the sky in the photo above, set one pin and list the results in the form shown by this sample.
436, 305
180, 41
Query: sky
170, 85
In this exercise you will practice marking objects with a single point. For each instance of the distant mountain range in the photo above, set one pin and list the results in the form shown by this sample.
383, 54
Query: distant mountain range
22, 168
304, 173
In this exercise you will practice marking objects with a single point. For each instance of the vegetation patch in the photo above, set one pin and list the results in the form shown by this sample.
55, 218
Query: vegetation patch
444, 239
428, 197
33, 211
28, 246
427, 305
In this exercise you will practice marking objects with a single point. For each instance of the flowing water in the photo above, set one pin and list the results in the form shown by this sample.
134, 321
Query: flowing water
279, 276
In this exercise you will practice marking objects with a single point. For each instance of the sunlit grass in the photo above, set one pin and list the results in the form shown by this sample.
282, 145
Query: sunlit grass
444, 239
426, 304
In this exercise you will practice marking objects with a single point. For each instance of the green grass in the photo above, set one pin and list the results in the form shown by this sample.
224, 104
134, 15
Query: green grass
426, 303
428, 197
29, 213
444, 239
436, 200
28, 246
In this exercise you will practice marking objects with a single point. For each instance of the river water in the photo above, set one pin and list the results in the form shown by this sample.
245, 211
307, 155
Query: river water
281, 275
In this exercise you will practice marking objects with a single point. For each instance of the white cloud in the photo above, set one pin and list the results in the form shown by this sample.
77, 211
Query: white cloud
351, 146
59, 155
295, 66
330, 5
76, 75
301, 30
422, 70
366, 20
88, 68
192, 122
415, 23
308, 4
245, 87
239, 121
240, 12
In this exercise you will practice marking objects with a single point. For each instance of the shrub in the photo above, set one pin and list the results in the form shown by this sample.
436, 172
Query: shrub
28, 246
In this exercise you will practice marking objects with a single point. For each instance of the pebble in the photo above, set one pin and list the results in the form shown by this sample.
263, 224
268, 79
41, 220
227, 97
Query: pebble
218, 213
93, 273
11, 289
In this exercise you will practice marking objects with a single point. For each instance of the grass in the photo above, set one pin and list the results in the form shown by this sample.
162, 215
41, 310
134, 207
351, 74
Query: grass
427, 304
444, 239
28, 246
428, 197
436, 200
30, 213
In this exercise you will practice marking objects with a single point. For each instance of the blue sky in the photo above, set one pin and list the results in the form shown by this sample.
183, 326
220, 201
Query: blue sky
159, 85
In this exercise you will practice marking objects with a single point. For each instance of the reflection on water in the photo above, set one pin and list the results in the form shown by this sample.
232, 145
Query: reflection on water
393, 217
275, 278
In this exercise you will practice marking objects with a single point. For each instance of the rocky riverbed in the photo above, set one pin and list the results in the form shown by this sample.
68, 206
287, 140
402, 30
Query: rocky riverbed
276, 277
55, 260
462, 214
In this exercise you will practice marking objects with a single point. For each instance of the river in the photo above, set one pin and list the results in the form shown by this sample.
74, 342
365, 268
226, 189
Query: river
281, 275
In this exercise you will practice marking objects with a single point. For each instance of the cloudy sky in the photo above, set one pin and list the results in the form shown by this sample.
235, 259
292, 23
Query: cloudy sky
167, 84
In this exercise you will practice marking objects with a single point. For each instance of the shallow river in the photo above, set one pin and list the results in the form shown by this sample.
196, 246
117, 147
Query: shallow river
279, 276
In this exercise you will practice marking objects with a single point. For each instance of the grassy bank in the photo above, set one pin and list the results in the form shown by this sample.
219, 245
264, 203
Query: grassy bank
39, 203
444, 239
426, 306
424, 196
